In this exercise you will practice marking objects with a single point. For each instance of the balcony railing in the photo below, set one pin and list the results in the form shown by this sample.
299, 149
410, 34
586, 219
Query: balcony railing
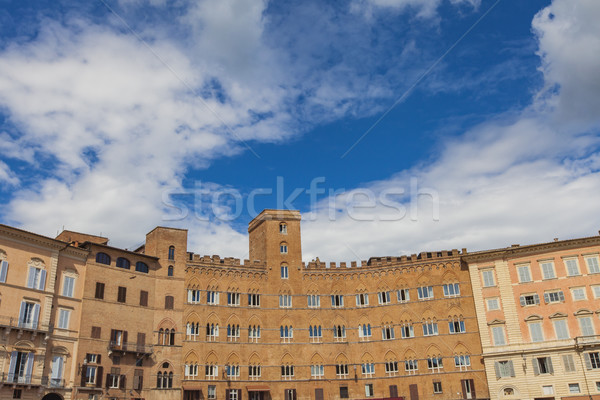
16, 379
130, 347
53, 382
12, 322
587, 341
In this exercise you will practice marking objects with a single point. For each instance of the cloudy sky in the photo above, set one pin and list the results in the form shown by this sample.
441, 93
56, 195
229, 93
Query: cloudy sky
394, 126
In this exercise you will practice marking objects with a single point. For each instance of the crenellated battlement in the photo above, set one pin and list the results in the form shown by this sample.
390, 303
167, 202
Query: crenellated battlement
385, 261
225, 262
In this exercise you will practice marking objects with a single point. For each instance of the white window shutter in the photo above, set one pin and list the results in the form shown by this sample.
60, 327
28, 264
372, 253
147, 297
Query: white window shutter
42, 283
31, 278
3, 271
36, 315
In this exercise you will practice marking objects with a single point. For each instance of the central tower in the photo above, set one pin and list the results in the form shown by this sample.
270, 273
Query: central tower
275, 239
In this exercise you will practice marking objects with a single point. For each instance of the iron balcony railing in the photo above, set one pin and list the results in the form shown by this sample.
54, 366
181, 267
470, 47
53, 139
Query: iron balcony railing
53, 382
130, 347
13, 322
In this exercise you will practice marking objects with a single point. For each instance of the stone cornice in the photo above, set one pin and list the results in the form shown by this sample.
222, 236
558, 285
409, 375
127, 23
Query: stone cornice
529, 250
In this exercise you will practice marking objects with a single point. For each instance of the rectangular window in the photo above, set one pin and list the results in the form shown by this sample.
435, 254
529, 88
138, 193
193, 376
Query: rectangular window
391, 368
535, 330
493, 304
572, 267
143, 298
122, 294
37, 278
211, 371
368, 369
29, 315
451, 290
90, 375
596, 290
437, 387
561, 329
531, 299
592, 265
285, 273
369, 390
462, 362
99, 290
456, 325
63, 319
548, 270
254, 371
362, 300
211, 392
578, 293
430, 328
254, 300
425, 292
212, 297
384, 297
285, 301
488, 277
68, 286
233, 332
568, 363
317, 371
434, 364
592, 360
547, 390
193, 296
498, 335
287, 371
407, 331
96, 331
542, 365
233, 299
586, 326
574, 388
524, 273
504, 369
411, 366
341, 369
3, 270
554, 297
402, 295
314, 301
337, 301
387, 332
344, 392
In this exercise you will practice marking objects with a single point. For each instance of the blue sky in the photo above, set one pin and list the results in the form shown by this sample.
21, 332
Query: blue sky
426, 124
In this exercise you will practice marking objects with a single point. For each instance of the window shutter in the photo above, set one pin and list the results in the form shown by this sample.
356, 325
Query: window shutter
13, 364
83, 374
588, 361
108, 381
99, 374
190, 296
550, 368
463, 383
22, 313
31, 278
511, 368
546, 298
522, 300
36, 315
497, 369
473, 394
42, 284
536, 368
98, 358
536, 298
451, 327
3, 271
124, 341
122, 382
561, 296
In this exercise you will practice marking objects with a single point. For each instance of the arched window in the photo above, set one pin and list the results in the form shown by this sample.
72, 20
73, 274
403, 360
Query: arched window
103, 258
164, 378
170, 271
283, 248
171, 252
161, 333
123, 263
141, 267
283, 228
172, 337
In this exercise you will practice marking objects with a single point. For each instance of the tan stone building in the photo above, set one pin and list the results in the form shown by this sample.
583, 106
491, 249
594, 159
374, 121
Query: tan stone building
41, 284
398, 327
538, 318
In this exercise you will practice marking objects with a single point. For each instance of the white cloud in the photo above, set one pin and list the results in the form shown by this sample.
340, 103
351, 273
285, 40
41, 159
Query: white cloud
6, 175
422, 8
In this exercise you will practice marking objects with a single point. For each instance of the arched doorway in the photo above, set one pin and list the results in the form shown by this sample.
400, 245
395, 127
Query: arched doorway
52, 396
